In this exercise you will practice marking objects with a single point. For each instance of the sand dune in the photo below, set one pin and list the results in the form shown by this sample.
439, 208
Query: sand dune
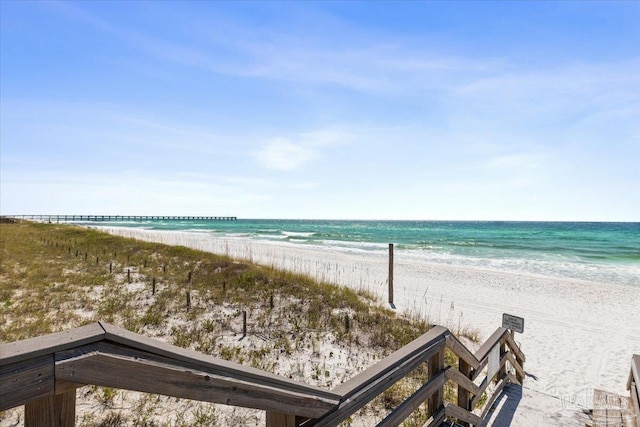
578, 335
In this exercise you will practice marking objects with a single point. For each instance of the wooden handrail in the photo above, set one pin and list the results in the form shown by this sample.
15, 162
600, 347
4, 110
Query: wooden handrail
427, 343
633, 385
364, 387
34, 371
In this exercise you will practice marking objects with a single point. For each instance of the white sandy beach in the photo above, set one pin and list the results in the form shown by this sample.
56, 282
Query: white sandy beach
578, 335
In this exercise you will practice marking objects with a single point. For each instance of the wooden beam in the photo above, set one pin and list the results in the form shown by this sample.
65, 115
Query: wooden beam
459, 378
493, 340
453, 410
406, 408
278, 419
209, 363
464, 383
390, 273
371, 388
26, 381
519, 370
460, 350
436, 419
485, 383
174, 380
433, 339
436, 365
515, 349
51, 411
48, 344
635, 369
634, 402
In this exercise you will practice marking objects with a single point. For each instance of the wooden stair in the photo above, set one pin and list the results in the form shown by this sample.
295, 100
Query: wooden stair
612, 410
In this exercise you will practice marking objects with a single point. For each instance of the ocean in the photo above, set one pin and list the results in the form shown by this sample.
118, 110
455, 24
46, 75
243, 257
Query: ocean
595, 251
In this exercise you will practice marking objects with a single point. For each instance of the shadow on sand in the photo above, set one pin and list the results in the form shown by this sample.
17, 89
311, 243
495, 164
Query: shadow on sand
506, 405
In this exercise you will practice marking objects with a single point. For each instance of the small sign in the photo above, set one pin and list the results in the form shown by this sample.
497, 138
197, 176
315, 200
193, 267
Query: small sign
514, 323
493, 364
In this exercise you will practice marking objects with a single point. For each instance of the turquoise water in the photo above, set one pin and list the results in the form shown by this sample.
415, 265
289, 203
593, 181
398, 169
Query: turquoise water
603, 252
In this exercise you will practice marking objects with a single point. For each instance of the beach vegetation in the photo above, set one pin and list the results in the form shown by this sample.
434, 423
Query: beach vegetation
57, 277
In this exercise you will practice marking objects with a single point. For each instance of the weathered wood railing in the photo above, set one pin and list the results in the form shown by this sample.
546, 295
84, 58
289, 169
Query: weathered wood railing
43, 374
633, 385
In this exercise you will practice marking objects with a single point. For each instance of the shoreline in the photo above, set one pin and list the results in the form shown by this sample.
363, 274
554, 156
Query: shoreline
578, 335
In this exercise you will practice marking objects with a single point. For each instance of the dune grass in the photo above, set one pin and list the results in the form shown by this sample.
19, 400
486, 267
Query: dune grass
56, 277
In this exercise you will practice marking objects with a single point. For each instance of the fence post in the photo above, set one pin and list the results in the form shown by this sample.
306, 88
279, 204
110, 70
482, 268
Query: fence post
278, 419
519, 377
244, 323
50, 411
436, 364
463, 395
503, 370
390, 273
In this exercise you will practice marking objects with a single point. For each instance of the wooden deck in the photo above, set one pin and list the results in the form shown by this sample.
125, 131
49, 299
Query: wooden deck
612, 410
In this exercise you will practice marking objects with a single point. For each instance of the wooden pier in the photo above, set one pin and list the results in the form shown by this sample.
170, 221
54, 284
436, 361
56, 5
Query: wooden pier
82, 218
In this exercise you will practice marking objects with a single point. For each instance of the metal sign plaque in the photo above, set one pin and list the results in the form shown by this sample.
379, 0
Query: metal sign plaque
512, 322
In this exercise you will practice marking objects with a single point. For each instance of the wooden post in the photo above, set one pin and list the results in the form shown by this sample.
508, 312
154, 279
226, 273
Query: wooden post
436, 364
51, 411
503, 371
110, 267
390, 273
463, 395
97, 260
244, 323
164, 268
128, 275
347, 325
153, 286
86, 254
278, 419
189, 278
519, 377
188, 294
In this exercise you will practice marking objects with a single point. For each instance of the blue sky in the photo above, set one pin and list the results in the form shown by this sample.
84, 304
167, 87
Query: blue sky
363, 110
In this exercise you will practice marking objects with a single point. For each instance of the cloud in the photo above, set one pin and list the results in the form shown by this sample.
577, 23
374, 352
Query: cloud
291, 153
282, 154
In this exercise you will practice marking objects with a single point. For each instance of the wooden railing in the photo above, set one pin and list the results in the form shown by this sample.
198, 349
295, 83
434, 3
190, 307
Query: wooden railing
43, 374
633, 385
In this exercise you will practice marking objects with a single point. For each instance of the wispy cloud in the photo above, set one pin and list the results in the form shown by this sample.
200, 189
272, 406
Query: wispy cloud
282, 154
